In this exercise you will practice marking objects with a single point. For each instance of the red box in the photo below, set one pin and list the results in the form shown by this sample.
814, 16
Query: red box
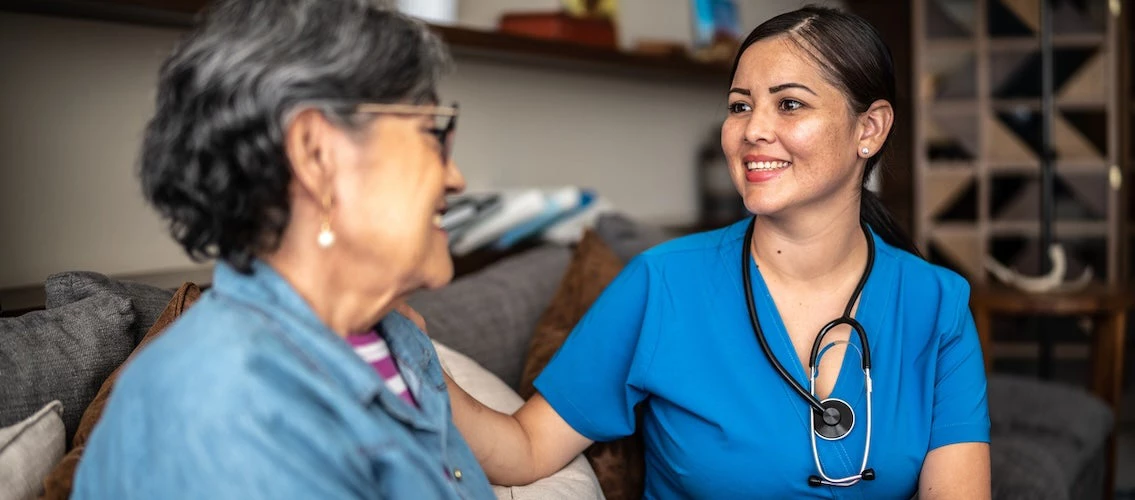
595, 32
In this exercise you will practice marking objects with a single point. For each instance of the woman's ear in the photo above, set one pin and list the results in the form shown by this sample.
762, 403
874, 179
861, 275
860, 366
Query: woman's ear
875, 125
307, 139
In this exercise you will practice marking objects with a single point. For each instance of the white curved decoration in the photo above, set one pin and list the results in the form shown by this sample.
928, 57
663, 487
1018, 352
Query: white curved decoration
1051, 282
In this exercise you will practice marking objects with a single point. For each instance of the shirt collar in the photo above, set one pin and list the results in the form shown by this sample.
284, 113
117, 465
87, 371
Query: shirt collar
265, 289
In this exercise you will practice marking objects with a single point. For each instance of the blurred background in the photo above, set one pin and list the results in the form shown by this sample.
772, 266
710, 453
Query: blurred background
78, 86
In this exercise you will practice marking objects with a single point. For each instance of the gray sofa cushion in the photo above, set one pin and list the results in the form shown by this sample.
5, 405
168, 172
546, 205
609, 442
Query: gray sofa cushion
63, 353
1061, 423
1025, 470
628, 238
1059, 414
148, 301
490, 315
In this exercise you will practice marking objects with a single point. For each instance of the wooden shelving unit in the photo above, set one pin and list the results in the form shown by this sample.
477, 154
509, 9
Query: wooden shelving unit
1127, 135
462, 41
978, 118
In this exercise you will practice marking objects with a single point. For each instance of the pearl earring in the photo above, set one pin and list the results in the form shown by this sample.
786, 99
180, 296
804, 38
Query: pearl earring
866, 151
326, 237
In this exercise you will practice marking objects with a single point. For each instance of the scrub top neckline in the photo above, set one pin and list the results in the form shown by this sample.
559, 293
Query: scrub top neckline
849, 381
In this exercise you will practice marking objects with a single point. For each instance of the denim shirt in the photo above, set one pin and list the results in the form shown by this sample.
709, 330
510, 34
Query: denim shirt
250, 395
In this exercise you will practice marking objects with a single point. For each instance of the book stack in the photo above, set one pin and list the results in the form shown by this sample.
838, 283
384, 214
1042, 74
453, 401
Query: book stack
499, 220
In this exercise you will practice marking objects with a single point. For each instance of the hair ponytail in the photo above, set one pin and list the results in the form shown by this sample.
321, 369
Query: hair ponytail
873, 212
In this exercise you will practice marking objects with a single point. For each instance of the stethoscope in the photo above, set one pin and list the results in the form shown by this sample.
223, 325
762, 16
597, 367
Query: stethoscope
836, 416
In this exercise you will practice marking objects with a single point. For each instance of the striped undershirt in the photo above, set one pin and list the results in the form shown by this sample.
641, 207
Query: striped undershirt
373, 349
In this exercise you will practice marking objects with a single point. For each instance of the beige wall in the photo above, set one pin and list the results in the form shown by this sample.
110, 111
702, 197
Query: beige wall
73, 100
75, 95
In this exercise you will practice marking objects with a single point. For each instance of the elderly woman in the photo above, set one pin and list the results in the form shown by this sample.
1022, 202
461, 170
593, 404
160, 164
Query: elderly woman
300, 144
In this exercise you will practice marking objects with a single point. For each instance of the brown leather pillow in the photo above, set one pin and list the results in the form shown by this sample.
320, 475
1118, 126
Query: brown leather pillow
620, 464
58, 484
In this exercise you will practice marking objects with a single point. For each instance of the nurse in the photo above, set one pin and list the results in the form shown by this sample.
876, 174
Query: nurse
810, 110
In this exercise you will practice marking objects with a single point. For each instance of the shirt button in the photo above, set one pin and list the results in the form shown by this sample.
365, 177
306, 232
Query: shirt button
457, 474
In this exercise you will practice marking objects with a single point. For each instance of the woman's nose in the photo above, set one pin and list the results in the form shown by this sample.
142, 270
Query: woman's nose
758, 128
454, 179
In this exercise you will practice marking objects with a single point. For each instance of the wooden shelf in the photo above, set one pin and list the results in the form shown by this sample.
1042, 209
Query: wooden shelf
1090, 40
1099, 167
462, 41
956, 106
1063, 104
1061, 229
953, 107
954, 229
1028, 229
551, 53
950, 166
951, 44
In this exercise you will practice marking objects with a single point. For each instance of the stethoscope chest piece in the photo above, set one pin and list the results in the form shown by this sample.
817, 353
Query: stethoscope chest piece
836, 421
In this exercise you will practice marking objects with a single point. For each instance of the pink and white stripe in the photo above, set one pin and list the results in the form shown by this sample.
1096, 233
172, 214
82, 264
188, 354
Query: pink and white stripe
373, 349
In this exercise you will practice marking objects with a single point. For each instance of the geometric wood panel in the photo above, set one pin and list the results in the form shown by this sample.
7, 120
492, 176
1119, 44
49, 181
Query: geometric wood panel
943, 187
1028, 11
1089, 83
1003, 21
960, 249
1004, 144
1089, 191
980, 194
1070, 143
949, 19
951, 137
1081, 197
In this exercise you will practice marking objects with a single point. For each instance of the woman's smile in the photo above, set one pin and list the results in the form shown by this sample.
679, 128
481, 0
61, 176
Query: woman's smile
762, 168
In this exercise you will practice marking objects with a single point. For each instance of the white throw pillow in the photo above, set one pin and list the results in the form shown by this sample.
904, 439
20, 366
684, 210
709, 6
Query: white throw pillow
576, 481
29, 451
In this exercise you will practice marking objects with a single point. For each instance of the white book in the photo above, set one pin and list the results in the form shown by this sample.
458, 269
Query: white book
570, 230
516, 207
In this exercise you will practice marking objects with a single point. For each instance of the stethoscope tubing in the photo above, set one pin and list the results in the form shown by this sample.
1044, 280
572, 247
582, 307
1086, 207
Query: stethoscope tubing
808, 395
846, 319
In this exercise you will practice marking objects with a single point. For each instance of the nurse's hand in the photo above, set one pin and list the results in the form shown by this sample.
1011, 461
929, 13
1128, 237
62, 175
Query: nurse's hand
516, 449
956, 471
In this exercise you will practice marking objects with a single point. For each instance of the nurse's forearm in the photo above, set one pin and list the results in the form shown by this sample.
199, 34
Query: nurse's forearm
514, 449
497, 440
956, 471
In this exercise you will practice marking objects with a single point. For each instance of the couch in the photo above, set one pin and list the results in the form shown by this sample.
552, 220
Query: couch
1048, 440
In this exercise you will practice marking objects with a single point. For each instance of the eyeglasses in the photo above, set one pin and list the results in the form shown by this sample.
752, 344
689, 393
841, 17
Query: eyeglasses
445, 120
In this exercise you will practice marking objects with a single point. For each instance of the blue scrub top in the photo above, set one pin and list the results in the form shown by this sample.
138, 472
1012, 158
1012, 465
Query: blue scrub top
672, 331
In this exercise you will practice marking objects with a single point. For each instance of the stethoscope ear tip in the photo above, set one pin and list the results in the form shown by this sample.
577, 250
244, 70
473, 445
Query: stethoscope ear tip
814, 481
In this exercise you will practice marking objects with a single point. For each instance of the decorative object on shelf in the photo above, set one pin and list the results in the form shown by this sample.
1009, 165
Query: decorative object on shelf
433, 11
592, 9
1051, 282
717, 30
586, 22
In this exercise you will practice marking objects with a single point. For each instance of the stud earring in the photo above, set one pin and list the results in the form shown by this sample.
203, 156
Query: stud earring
865, 151
326, 237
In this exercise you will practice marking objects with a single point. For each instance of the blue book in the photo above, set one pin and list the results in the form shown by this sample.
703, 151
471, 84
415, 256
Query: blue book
559, 204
